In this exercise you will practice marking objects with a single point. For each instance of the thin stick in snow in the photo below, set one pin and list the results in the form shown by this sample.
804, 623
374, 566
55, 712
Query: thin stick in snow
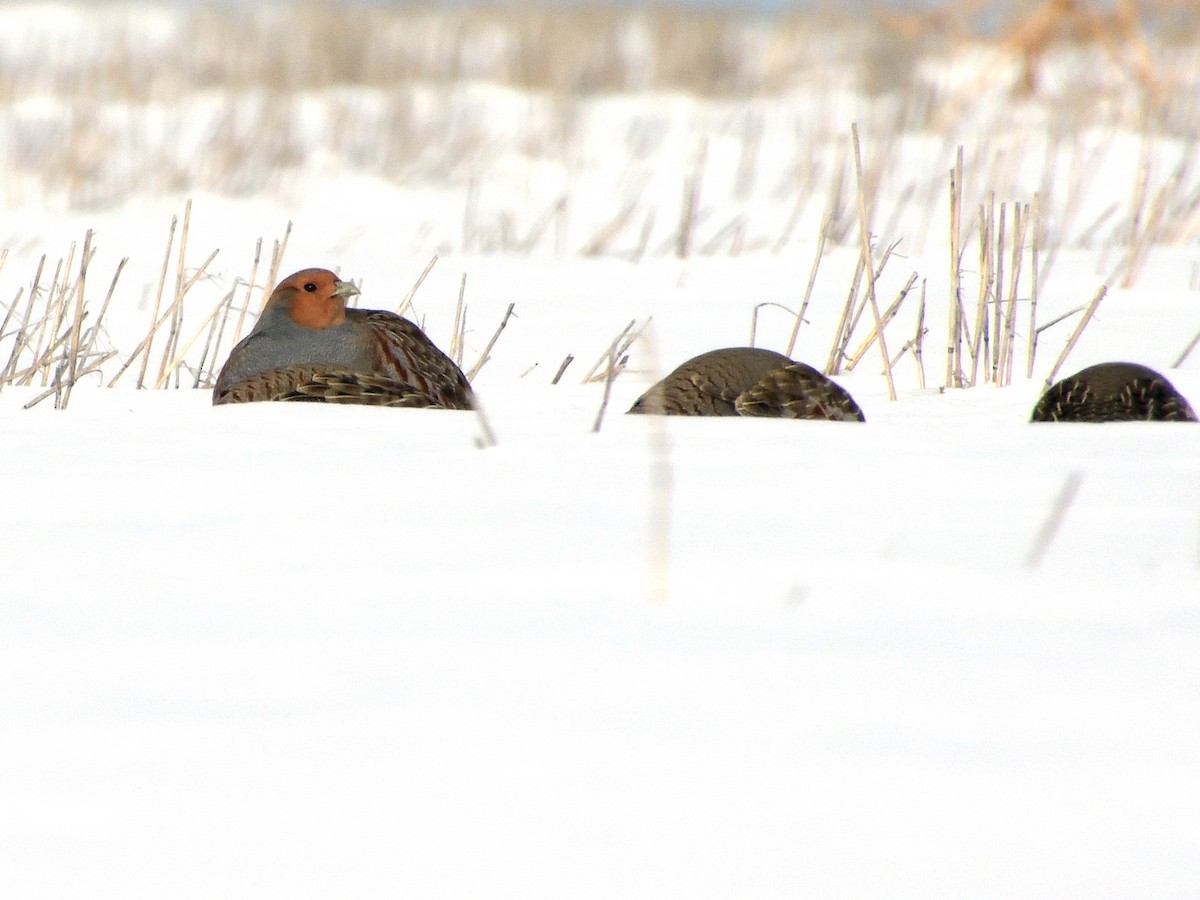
484, 356
404, 304
280, 248
812, 279
919, 340
1031, 345
162, 280
610, 375
460, 323
1054, 520
888, 315
866, 245
1087, 317
954, 323
562, 368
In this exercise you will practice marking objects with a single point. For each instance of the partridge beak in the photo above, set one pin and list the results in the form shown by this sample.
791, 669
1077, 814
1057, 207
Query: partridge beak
344, 289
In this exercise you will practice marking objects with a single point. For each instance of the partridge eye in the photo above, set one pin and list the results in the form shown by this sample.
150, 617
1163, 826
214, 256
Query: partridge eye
311, 288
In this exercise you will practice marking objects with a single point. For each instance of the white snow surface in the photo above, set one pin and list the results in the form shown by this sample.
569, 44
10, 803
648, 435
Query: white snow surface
304, 651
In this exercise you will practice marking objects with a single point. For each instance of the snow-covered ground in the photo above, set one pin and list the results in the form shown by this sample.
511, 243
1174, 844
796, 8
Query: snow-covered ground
296, 651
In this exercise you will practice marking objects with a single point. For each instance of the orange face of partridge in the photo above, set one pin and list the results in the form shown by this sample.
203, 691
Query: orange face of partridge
315, 298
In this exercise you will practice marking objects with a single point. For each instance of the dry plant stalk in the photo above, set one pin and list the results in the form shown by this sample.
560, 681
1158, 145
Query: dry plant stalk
979, 345
853, 311
615, 356
626, 340
180, 355
1045, 535
76, 322
919, 339
241, 322
1082, 324
841, 335
143, 346
277, 252
754, 317
407, 301
866, 249
954, 377
1031, 345
812, 280
1020, 226
460, 324
562, 368
162, 280
888, 315
997, 305
22, 337
485, 355
1187, 351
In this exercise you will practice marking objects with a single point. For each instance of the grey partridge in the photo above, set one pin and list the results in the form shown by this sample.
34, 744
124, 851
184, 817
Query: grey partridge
307, 346
1113, 392
748, 381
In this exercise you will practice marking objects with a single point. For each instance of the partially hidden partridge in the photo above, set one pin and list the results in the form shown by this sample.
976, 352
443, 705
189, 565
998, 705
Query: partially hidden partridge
307, 346
1113, 392
748, 381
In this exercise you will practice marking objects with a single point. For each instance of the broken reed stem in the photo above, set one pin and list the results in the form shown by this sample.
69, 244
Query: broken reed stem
412, 291
954, 324
44, 360
94, 331
1058, 319
77, 321
241, 322
1031, 344
280, 248
604, 356
1187, 351
1020, 226
162, 280
460, 316
866, 245
888, 315
215, 329
484, 356
1087, 317
22, 338
562, 368
919, 339
979, 344
1053, 521
181, 355
610, 375
83, 373
812, 279
840, 336
53, 314
176, 305
997, 305
4, 325
861, 307
754, 317
145, 342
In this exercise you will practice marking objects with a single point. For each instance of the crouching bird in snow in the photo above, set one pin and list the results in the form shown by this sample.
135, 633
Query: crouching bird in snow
1113, 392
748, 381
307, 346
